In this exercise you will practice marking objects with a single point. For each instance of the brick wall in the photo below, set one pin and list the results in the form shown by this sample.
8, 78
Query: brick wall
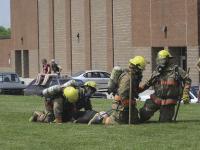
45, 23
192, 22
68, 16
192, 58
192, 39
5, 52
78, 27
137, 26
24, 24
198, 18
141, 25
99, 34
162, 12
33, 69
122, 29
24, 32
60, 33
110, 39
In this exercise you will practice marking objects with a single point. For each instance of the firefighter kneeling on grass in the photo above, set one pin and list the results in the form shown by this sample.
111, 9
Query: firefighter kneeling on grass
62, 103
119, 113
168, 81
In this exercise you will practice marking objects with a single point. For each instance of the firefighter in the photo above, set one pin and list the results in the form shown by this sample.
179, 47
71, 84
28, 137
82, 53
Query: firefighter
169, 82
120, 106
62, 103
198, 68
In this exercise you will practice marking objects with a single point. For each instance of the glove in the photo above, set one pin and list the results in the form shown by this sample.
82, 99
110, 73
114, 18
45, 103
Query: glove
186, 96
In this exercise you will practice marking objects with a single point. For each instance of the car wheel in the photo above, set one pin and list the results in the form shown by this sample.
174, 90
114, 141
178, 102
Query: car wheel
22, 92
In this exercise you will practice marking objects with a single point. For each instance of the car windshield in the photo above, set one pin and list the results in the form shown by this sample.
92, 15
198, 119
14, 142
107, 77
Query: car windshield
78, 73
9, 78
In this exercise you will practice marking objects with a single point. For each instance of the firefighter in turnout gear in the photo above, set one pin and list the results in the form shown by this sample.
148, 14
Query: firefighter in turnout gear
120, 106
169, 82
62, 103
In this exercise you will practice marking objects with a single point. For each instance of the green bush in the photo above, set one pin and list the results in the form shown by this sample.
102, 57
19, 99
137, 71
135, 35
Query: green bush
4, 32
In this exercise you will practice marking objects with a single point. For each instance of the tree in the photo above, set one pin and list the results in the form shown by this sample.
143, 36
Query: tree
4, 32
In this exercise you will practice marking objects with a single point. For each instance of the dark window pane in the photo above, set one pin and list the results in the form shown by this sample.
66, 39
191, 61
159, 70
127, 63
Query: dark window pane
95, 75
14, 78
102, 75
1, 78
86, 75
107, 75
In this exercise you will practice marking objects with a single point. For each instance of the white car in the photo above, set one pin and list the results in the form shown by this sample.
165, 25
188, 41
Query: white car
146, 95
100, 77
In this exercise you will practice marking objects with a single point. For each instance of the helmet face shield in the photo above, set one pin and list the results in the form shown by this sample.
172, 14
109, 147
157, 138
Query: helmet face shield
161, 62
135, 68
90, 90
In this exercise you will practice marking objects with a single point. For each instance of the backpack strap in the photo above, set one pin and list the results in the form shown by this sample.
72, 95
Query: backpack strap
123, 74
177, 75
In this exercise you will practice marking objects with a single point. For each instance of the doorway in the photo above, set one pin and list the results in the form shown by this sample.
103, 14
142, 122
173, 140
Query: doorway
25, 63
18, 62
22, 63
180, 56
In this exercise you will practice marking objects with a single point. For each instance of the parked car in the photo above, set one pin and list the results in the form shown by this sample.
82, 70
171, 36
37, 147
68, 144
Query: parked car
146, 95
10, 83
195, 90
33, 89
100, 77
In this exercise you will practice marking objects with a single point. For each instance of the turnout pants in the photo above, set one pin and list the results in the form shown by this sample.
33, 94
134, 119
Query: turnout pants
84, 116
149, 108
120, 114
53, 111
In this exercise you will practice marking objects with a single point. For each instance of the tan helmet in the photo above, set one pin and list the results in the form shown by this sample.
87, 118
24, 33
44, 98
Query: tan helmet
91, 84
71, 94
138, 61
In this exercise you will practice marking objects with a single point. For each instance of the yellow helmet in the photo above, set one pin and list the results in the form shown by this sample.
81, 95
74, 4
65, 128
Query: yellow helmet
164, 54
138, 61
71, 94
91, 84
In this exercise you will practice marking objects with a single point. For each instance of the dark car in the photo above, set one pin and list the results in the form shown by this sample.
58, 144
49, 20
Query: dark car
195, 90
33, 89
11, 84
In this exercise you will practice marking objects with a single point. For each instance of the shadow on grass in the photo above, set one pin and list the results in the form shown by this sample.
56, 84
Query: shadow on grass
188, 121
178, 121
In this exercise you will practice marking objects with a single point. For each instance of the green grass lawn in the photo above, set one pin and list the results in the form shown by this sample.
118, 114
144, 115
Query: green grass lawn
17, 133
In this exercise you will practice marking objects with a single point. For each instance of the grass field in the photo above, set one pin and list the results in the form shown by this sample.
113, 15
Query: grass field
18, 134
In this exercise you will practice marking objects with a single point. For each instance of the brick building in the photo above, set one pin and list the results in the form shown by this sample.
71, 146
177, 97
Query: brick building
98, 34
